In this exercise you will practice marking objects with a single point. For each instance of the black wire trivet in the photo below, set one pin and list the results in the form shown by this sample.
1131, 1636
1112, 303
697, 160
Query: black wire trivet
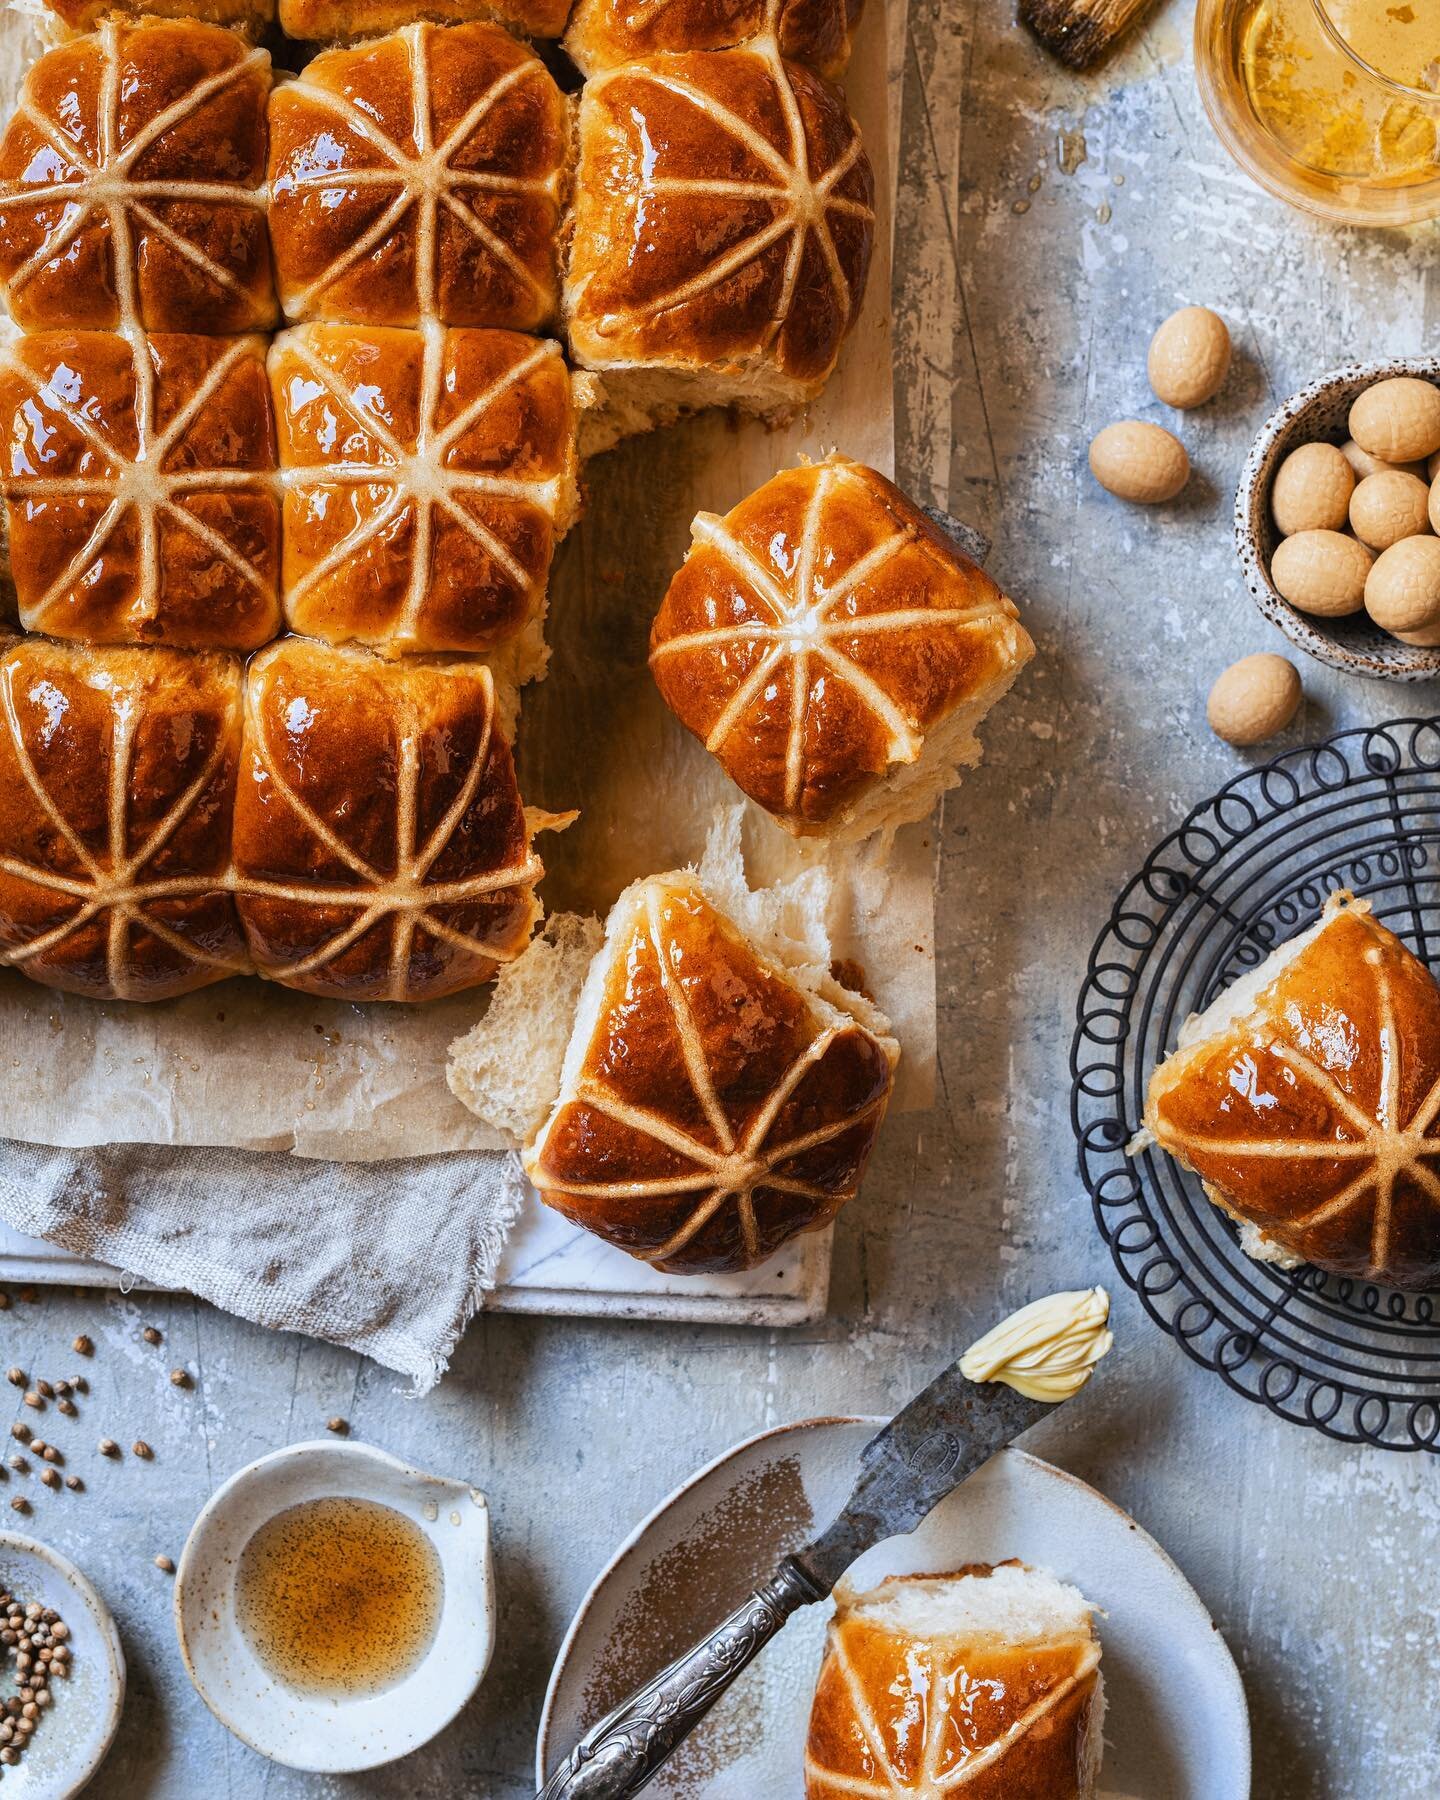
1248, 868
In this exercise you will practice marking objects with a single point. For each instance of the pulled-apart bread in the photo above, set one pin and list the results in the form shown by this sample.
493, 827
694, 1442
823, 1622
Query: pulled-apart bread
335, 823
132, 184
427, 475
1306, 1098
834, 651
986, 1683
140, 488
346, 21
713, 1104
723, 219
420, 177
604, 33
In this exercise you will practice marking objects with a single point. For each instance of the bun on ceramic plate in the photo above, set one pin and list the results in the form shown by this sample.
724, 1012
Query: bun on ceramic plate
721, 230
603, 33
1306, 1098
985, 1683
834, 650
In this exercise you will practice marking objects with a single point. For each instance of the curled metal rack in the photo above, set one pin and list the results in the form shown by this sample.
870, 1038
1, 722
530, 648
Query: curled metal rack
1246, 870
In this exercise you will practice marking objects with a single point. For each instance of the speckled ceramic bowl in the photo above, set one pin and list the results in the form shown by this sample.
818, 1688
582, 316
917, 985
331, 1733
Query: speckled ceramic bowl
1318, 413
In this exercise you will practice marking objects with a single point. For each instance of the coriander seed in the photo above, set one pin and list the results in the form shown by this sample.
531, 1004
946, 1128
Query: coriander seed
20, 1504
180, 1378
68, 1407
108, 1447
164, 1563
338, 1425
31, 1398
151, 1335
45, 1388
142, 1449
75, 1484
16, 1377
51, 1477
50, 1453
21, 1431
82, 1346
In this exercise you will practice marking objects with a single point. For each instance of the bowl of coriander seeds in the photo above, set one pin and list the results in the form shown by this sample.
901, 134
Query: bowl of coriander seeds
64, 1670
1337, 519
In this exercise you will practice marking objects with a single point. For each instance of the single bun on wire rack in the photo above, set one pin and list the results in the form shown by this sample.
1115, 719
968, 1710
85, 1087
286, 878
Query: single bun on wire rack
381, 848
722, 224
834, 651
714, 1101
999, 1665
420, 177
345, 21
605, 33
140, 488
427, 476
132, 184
117, 784
1307, 1099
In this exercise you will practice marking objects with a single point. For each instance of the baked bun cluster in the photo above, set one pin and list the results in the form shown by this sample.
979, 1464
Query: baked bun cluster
834, 650
984, 1682
1307, 1100
334, 823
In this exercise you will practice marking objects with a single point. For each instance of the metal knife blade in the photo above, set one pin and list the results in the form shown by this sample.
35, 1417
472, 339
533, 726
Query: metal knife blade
944, 1435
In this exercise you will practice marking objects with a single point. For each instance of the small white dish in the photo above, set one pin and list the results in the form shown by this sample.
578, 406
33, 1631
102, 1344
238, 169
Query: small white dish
343, 1733
79, 1727
1176, 1722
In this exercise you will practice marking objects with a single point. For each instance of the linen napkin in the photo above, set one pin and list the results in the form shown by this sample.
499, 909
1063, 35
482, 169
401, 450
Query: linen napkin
389, 1258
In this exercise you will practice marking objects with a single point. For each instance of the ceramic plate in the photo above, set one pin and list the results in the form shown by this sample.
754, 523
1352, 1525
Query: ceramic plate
75, 1733
1176, 1726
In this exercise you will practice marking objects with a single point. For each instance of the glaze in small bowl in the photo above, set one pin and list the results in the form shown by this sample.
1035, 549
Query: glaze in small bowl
1319, 414
335, 1733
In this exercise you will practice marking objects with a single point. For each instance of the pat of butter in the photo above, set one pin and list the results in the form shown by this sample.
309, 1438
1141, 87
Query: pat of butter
1047, 1350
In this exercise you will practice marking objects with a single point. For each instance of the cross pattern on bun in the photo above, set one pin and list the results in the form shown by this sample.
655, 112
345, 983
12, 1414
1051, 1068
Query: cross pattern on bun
342, 21
420, 177
132, 184
381, 848
117, 778
712, 1105
1307, 1099
427, 476
724, 214
984, 1683
604, 33
833, 650
139, 488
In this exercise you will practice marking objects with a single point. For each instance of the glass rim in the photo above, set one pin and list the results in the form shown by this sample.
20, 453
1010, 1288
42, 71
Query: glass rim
1430, 96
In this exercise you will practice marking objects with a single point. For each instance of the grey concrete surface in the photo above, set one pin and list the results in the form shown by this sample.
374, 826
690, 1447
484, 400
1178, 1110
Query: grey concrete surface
1028, 283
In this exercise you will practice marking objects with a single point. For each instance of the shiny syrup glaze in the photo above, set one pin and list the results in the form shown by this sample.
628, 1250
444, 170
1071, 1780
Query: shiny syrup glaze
339, 1597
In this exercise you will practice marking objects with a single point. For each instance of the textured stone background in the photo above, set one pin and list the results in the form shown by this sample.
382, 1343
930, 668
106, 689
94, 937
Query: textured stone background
1047, 224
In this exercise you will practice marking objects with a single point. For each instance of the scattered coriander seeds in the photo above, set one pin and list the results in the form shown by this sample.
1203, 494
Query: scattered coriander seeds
68, 1407
142, 1449
19, 1465
179, 1378
108, 1447
51, 1454
31, 1398
20, 1504
151, 1335
38, 1445
20, 1431
338, 1425
51, 1477
16, 1377
164, 1563
62, 1387
75, 1484
45, 1388
82, 1346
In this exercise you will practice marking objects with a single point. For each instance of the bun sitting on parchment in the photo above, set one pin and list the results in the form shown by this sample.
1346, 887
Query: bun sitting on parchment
1306, 1100
834, 650
718, 1091
985, 1683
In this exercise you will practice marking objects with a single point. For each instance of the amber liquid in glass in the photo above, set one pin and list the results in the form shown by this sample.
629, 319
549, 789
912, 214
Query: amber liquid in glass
1326, 109
339, 1598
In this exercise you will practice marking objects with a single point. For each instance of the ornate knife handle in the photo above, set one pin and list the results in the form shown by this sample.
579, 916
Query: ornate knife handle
620, 1755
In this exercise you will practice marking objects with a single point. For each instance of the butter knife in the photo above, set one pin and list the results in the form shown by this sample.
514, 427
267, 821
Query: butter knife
944, 1435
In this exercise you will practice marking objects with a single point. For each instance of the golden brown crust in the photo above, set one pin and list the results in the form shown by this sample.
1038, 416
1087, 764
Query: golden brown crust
427, 476
1315, 1117
117, 779
132, 184
420, 177
815, 634
246, 17
343, 21
1013, 1720
714, 1114
381, 849
604, 33
139, 488
724, 216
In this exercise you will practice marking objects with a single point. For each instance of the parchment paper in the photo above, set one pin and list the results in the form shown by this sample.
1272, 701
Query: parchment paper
252, 1066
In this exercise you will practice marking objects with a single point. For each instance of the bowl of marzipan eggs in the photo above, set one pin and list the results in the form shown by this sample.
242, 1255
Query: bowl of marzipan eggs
1337, 519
